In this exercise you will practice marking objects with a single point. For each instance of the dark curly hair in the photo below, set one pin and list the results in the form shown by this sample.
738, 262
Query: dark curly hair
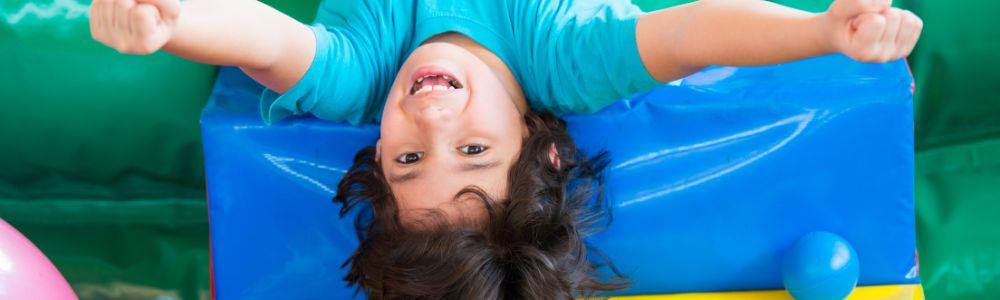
529, 246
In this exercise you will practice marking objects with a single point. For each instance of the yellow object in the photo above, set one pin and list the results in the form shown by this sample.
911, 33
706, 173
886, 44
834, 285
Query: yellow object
875, 292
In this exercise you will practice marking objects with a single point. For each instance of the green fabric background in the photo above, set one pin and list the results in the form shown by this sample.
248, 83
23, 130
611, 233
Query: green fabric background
103, 165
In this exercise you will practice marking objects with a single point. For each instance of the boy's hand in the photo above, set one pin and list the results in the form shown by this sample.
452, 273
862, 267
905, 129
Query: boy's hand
871, 30
133, 26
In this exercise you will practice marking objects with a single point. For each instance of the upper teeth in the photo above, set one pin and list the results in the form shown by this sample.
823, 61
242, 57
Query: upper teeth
421, 79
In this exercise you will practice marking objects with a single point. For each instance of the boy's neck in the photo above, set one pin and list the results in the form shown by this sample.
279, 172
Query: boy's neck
492, 60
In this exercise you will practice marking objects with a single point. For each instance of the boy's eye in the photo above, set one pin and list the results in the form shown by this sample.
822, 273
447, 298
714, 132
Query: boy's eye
472, 149
409, 158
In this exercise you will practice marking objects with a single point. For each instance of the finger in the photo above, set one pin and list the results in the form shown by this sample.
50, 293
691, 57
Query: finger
144, 19
97, 20
119, 22
169, 9
893, 20
107, 26
851, 8
907, 40
117, 7
866, 38
134, 37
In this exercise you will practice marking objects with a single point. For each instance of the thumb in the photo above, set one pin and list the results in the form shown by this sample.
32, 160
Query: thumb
169, 9
870, 28
846, 9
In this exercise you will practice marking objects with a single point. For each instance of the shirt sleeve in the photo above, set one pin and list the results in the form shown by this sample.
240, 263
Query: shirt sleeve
589, 57
357, 50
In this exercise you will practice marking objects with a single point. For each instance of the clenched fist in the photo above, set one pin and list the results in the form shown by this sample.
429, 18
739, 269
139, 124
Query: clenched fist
871, 30
133, 26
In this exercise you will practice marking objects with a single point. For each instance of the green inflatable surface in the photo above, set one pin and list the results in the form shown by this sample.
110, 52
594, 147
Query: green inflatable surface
957, 73
104, 172
103, 167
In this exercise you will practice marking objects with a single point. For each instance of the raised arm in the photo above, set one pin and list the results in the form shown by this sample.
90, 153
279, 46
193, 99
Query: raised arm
271, 47
681, 40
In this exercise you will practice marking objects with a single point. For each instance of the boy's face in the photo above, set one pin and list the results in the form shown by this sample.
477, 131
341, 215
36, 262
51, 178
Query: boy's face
448, 123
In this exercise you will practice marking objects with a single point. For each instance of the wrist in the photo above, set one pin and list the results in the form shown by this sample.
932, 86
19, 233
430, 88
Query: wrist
174, 30
823, 33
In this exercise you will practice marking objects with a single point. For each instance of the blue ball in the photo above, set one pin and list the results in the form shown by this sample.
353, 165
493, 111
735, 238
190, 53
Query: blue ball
820, 266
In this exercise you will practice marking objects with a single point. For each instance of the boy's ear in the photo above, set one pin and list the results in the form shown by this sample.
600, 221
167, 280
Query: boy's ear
554, 157
378, 150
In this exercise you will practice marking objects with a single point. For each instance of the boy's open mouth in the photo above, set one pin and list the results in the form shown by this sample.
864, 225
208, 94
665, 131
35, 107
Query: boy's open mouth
434, 82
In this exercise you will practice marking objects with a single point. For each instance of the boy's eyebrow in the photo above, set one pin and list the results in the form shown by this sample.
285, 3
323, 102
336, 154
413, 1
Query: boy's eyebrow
398, 179
467, 167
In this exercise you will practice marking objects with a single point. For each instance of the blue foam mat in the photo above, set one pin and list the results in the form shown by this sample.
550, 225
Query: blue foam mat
713, 177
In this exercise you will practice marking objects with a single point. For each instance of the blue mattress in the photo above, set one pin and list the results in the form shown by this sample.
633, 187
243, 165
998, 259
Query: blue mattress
712, 178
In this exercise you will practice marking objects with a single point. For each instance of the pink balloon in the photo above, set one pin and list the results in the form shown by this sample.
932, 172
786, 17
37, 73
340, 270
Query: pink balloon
25, 273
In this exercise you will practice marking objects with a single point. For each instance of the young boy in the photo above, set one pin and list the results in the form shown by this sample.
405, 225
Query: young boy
453, 84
